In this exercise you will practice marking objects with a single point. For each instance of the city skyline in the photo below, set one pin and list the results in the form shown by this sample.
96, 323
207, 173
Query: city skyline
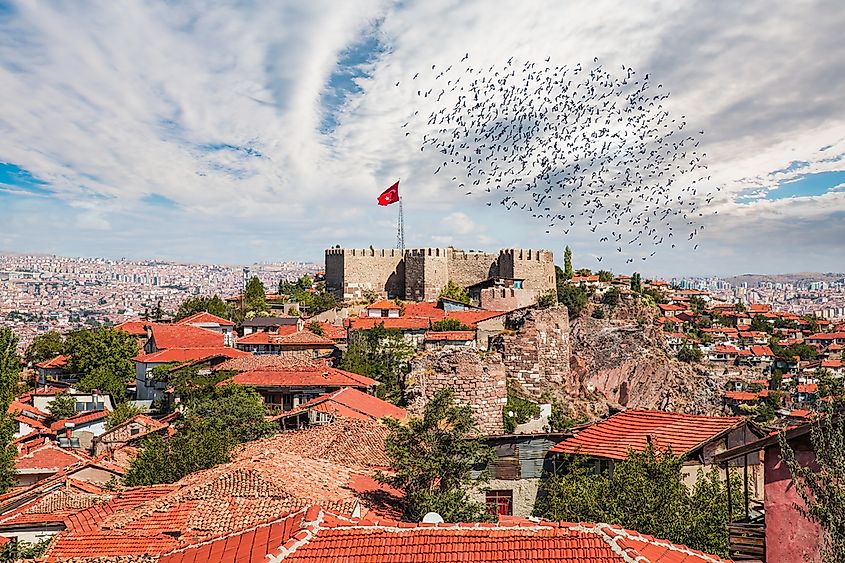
270, 134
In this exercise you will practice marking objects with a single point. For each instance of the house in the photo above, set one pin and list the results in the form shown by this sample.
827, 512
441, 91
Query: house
44, 461
413, 329
502, 294
674, 340
211, 322
270, 324
783, 533
346, 402
299, 341
697, 438
753, 337
166, 337
288, 381
128, 432
450, 340
835, 367
150, 388
80, 431
28, 419
317, 534
85, 402
52, 369
670, 310
723, 353
520, 465
825, 339
384, 309
806, 393
761, 355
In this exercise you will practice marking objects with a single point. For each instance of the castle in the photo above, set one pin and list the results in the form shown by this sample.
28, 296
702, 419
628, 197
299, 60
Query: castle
420, 274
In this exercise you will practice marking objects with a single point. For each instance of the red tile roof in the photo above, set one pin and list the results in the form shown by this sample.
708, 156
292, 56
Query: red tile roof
325, 537
761, 351
741, 395
302, 376
204, 318
384, 304
25, 409
188, 355
351, 403
452, 335
135, 328
725, 349
81, 418
401, 323
53, 500
53, 363
613, 437
808, 388
424, 309
831, 364
827, 336
334, 332
185, 336
48, 458
302, 338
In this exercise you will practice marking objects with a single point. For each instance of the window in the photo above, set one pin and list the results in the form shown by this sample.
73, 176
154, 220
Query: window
500, 503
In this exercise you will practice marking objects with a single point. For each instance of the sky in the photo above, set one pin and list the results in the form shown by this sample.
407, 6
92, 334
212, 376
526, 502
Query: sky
239, 132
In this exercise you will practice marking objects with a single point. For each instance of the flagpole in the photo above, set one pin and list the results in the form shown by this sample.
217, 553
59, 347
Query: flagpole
400, 231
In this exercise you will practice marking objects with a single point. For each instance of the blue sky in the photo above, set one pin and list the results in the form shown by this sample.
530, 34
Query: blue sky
239, 132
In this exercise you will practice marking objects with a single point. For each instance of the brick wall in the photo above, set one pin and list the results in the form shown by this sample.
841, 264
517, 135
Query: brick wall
536, 354
477, 381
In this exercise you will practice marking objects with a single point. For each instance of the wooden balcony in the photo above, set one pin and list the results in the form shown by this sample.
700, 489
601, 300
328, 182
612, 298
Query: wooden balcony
747, 541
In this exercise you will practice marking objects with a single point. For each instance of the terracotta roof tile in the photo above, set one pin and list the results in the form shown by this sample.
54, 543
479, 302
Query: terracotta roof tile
302, 338
384, 304
53, 363
472, 318
171, 355
334, 332
401, 323
80, 418
611, 438
185, 336
453, 335
351, 403
48, 457
204, 318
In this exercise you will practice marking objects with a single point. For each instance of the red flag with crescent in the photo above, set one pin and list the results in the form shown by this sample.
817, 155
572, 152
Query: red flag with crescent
390, 195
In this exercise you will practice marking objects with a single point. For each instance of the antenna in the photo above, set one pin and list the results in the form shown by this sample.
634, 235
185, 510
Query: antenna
400, 230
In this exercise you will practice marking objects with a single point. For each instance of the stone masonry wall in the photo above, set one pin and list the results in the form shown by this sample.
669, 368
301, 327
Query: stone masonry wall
477, 381
350, 272
426, 272
536, 352
536, 267
468, 268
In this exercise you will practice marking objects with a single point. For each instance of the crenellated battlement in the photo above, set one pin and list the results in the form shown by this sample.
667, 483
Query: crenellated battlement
420, 273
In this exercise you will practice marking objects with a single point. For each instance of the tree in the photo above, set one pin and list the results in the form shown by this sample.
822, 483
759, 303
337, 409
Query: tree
611, 297
547, 299
293, 311
740, 306
598, 313
567, 263
255, 297
203, 304
645, 492
432, 458
697, 304
10, 367
213, 424
636, 282
8, 451
121, 413
454, 292
690, 354
518, 410
759, 324
803, 351
605, 276
445, 325
821, 487
382, 354
574, 297
103, 359
316, 328
62, 406
44, 347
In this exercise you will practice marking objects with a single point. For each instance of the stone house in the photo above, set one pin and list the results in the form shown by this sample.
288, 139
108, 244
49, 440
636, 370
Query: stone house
450, 340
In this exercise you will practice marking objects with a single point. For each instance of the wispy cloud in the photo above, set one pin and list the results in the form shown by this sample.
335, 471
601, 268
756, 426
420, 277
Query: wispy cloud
201, 128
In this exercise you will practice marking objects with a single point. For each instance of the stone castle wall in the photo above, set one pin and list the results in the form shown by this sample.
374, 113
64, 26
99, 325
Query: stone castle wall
420, 274
536, 353
477, 381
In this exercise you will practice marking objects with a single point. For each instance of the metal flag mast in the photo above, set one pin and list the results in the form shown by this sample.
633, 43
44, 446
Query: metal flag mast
400, 230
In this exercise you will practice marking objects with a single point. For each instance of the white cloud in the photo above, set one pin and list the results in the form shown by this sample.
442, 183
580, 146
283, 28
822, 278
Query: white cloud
217, 107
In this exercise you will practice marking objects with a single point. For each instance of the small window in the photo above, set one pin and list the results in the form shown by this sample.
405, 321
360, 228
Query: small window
134, 431
500, 503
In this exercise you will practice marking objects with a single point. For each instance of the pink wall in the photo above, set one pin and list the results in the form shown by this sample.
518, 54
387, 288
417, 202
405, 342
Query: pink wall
790, 537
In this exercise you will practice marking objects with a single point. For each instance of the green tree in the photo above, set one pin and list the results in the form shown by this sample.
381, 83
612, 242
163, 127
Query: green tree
567, 263
24, 550
445, 325
759, 324
605, 276
62, 406
598, 313
574, 297
202, 304
432, 458
316, 328
636, 282
454, 292
611, 297
821, 487
44, 347
212, 425
10, 366
102, 358
293, 311
381, 354
547, 299
645, 492
656, 295
740, 306
255, 297
8, 451
804, 351
322, 301
121, 413
697, 304
518, 410
690, 354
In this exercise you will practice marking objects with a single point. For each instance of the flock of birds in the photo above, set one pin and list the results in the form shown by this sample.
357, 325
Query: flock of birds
581, 149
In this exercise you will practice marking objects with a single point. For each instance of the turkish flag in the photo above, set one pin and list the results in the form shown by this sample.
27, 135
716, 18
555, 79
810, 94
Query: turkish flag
390, 195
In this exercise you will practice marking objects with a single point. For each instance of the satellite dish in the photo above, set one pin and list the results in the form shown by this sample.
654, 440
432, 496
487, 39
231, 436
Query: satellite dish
432, 518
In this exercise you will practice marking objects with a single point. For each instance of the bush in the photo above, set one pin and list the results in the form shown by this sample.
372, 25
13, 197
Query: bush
598, 313
63, 406
611, 297
518, 410
574, 297
690, 354
547, 299
454, 292
445, 325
